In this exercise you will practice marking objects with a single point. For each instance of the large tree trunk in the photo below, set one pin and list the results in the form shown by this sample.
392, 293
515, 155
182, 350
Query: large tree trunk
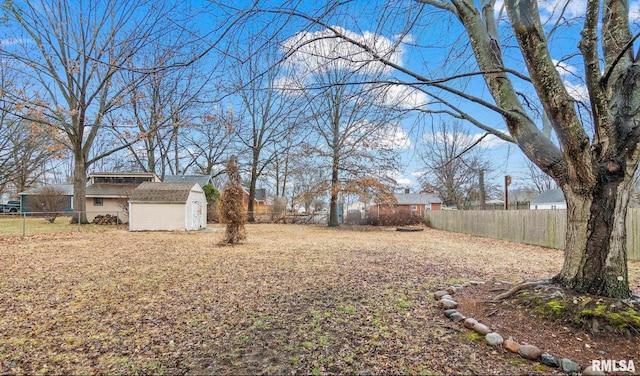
595, 253
79, 189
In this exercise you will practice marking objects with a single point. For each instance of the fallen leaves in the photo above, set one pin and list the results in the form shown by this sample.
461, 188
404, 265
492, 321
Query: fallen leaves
293, 299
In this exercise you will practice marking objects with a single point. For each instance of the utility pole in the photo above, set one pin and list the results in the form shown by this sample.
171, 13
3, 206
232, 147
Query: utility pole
507, 181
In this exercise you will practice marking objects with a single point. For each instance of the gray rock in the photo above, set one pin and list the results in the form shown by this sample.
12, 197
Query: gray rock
447, 304
439, 294
457, 286
529, 352
627, 334
494, 339
569, 366
451, 290
457, 317
467, 284
549, 360
446, 297
449, 312
475, 283
481, 329
469, 322
589, 371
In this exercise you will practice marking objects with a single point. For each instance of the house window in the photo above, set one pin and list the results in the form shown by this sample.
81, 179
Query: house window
97, 201
414, 207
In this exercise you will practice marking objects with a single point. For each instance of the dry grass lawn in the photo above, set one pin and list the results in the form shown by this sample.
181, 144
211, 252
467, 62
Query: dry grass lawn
305, 299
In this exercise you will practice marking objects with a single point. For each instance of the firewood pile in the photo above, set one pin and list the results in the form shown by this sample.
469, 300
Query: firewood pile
106, 220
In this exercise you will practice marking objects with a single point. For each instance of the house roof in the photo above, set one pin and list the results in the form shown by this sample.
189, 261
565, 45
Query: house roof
200, 179
550, 196
416, 198
67, 189
149, 174
163, 192
110, 190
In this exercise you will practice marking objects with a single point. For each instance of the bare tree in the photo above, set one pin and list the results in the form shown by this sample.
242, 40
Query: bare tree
540, 181
354, 122
207, 142
595, 119
50, 201
71, 52
453, 162
266, 115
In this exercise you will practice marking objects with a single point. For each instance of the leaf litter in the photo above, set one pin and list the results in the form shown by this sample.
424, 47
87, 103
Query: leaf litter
291, 299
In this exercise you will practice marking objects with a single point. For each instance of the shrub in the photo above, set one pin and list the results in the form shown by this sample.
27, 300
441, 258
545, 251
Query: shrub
231, 210
395, 219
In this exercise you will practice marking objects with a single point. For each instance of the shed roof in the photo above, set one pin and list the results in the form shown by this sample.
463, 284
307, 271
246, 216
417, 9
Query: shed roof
163, 192
550, 196
416, 198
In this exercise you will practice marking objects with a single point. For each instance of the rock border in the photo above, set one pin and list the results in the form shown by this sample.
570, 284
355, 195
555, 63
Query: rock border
444, 299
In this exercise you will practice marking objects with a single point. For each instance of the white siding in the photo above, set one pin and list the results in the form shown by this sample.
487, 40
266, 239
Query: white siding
156, 217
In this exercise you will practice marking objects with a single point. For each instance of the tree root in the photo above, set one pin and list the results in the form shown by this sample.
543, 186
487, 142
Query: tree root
519, 287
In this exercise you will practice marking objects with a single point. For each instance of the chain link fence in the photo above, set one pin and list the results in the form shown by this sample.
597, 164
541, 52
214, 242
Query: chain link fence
33, 223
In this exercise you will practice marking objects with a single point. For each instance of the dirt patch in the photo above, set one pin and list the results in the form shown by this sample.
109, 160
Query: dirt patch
555, 320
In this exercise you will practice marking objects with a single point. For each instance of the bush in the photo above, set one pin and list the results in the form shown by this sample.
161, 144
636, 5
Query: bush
231, 210
395, 219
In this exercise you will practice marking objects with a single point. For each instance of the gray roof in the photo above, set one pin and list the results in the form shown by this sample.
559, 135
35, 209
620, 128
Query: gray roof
200, 179
110, 190
416, 199
550, 196
162, 192
67, 189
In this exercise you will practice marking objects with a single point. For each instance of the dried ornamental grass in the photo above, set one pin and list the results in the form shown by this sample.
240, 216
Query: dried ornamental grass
231, 210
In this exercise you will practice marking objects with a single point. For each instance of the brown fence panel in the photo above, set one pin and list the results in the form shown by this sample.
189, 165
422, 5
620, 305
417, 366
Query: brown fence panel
538, 227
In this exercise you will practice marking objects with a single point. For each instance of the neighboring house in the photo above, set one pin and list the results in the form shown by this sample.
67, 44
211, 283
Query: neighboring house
260, 201
108, 192
200, 179
167, 207
551, 199
408, 203
28, 197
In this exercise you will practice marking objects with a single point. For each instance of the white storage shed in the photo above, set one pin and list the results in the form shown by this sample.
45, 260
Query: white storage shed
167, 207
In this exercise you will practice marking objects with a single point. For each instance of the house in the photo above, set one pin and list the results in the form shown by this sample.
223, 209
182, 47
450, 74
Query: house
157, 206
551, 199
408, 204
28, 198
108, 192
259, 201
200, 179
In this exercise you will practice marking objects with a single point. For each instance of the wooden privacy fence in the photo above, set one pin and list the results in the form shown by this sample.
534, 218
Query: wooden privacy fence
538, 227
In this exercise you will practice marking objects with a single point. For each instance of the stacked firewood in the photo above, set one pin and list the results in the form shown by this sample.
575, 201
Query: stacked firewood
106, 220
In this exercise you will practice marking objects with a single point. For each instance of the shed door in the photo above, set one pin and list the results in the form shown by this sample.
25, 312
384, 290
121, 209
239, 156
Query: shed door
196, 215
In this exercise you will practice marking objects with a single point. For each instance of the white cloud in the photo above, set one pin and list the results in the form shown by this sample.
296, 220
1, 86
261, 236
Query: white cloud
552, 9
564, 68
403, 96
634, 12
579, 92
402, 181
321, 51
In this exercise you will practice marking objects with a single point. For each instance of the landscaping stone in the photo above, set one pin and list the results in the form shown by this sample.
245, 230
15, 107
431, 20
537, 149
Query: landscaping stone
446, 297
589, 371
529, 352
481, 329
457, 317
511, 345
569, 366
469, 322
449, 312
475, 283
447, 304
439, 294
494, 339
451, 290
549, 360
457, 286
